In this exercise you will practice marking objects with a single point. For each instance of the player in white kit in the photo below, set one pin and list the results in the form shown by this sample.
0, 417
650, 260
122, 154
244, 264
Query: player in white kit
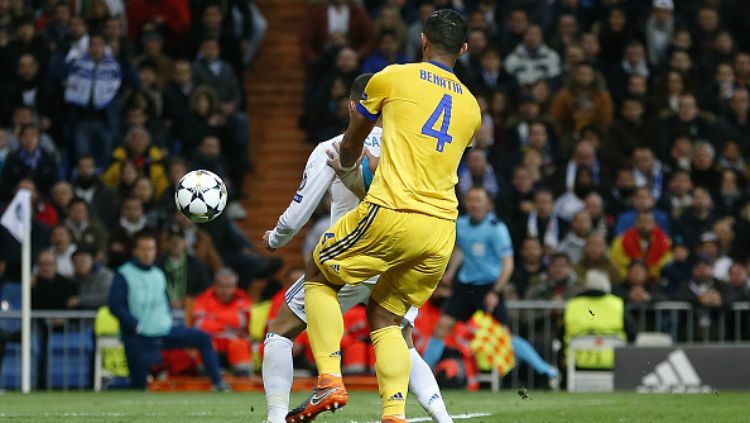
318, 179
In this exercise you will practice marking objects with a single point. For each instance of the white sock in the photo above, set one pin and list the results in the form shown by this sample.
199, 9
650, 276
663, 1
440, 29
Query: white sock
278, 372
423, 385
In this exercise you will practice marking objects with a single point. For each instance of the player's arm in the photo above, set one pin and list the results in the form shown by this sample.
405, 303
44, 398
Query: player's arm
316, 182
453, 264
504, 249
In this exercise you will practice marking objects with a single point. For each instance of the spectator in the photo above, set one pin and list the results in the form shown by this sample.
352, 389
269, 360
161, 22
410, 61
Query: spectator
146, 158
23, 116
337, 23
639, 288
49, 289
557, 284
737, 118
26, 41
519, 200
210, 70
223, 311
659, 30
88, 233
199, 242
614, 34
146, 319
572, 202
387, 53
646, 242
583, 101
632, 130
212, 26
611, 320
93, 83
88, 186
92, 279
698, 218
705, 293
477, 173
532, 59
584, 156
529, 269
574, 243
63, 248
594, 205
61, 195
491, 75
31, 88
687, 120
634, 62
177, 93
648, 171
643, 201
132, 221
739, 285
677, 198
187, 276
677, 272
566, 33
594, 257
731, 194
413, 45
703, 171
543, 224
29, 161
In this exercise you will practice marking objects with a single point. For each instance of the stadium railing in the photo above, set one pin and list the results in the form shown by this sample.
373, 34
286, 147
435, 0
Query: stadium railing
64, 345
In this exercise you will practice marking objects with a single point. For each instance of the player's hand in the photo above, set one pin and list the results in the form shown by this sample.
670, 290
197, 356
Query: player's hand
334, 158
491, 300
267, 240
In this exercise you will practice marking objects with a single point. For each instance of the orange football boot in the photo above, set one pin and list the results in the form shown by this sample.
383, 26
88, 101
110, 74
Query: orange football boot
329, 395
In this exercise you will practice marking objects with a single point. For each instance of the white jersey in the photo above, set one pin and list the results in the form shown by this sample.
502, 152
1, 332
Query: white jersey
318, 179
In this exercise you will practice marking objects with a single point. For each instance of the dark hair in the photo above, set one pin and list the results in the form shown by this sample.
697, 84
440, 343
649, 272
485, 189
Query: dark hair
143, 234
446, 30
358, 86
148, 64
560, 255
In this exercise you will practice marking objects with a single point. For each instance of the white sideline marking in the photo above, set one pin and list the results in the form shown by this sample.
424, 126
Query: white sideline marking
429, 419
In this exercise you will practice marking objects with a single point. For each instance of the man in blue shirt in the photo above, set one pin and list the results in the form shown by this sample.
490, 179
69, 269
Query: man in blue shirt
138, 298
478, 271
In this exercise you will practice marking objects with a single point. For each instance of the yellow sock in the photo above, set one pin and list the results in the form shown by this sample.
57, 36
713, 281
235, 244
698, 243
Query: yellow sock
325, 326
392, 365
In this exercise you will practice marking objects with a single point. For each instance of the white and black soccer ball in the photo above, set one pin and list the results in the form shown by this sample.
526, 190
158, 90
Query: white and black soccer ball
201, 196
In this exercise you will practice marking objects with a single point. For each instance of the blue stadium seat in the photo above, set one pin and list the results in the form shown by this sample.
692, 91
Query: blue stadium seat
11, 292
69, 359
10, 370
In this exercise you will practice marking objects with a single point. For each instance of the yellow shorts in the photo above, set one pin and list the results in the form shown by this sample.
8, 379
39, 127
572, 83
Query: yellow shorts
409, 250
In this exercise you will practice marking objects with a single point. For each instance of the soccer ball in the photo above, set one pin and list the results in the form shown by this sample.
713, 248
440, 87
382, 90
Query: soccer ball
201, 196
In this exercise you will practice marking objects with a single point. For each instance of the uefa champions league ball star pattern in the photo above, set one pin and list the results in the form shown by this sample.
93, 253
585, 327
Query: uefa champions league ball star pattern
201, 196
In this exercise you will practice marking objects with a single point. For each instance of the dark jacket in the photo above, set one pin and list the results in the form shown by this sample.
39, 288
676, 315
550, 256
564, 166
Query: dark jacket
52, 294
44, 175
225, 83
197, 275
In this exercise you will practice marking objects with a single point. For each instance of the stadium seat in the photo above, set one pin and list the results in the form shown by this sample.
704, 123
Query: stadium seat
69, 358
653, 339
591, 380
10, 369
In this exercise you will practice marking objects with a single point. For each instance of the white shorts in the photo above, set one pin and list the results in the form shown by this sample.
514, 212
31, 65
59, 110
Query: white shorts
349, 296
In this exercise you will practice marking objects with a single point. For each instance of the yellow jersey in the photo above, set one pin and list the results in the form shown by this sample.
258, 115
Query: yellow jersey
429, 119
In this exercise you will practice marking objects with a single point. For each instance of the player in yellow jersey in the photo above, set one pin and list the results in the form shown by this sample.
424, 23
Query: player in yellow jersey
405, 228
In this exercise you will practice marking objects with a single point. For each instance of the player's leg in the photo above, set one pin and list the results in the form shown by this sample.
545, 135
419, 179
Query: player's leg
278, 366
392, 358
341, 257
423, 385
424, 248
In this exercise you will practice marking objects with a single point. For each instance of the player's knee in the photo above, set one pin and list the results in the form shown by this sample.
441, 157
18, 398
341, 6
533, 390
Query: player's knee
380, 318
286, 324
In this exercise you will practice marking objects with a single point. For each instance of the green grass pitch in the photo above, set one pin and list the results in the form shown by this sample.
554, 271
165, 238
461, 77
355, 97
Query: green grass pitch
363, 407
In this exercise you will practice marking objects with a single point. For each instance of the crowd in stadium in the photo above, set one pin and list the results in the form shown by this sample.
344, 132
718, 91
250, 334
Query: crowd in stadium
614, 136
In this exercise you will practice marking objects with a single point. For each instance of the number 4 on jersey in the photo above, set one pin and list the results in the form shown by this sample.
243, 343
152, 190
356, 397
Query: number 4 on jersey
443, 109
